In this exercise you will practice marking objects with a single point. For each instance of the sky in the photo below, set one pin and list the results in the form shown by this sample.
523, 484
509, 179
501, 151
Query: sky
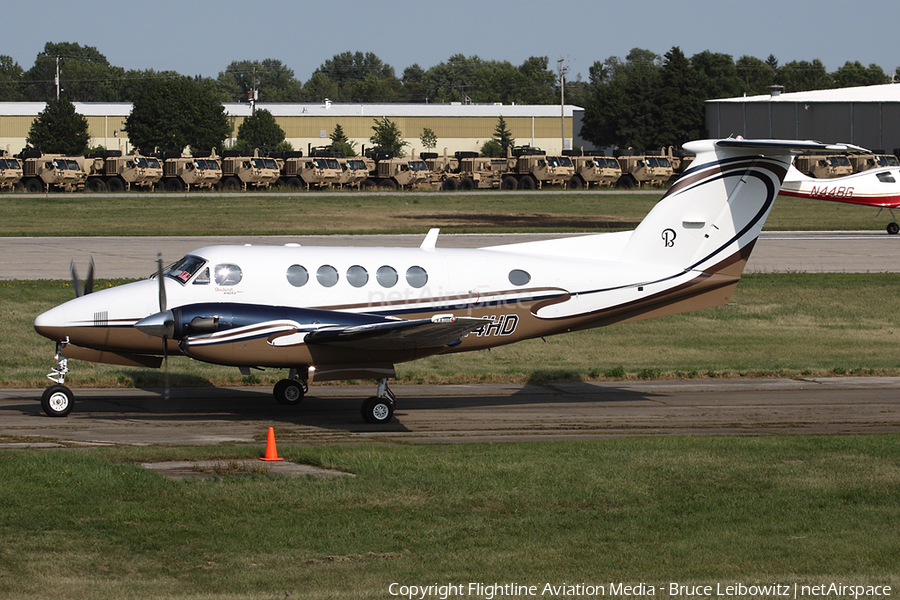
195, 37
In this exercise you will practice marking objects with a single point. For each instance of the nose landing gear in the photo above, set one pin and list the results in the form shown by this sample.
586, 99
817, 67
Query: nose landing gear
57, 400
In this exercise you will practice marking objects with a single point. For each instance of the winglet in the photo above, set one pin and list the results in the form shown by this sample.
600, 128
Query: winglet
430, 240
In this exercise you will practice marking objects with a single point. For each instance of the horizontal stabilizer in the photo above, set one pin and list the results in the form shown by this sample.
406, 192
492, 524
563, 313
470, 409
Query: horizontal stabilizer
436, 332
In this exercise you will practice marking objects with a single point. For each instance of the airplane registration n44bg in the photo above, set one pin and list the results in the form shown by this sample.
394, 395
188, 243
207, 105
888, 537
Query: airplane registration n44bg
354, 313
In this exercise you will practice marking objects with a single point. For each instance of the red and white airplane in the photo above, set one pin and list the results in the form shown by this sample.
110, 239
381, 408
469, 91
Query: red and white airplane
879, 187
353, 313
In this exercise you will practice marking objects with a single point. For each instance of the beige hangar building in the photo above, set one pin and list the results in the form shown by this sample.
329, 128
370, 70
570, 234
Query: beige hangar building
458, 127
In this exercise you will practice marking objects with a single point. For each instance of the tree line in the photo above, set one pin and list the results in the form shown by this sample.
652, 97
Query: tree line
642, 101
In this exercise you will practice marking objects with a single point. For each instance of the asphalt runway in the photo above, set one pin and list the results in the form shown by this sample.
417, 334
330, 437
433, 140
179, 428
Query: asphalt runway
135, 257
460, 413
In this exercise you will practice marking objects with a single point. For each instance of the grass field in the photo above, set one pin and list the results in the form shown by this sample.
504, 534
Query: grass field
776, 325
350, 212
807, 510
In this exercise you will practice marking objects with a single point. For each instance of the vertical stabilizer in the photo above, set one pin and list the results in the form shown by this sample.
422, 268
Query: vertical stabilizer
715, 211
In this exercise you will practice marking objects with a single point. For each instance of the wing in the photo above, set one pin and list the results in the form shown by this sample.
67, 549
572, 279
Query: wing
440, 330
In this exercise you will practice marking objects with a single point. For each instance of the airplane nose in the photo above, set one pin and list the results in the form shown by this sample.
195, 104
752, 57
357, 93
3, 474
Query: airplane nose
49, 323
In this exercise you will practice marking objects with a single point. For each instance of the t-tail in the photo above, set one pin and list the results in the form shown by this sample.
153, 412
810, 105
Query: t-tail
713, 214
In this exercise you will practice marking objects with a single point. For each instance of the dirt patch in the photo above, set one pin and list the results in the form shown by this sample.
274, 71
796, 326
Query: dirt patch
475, 220
206, 469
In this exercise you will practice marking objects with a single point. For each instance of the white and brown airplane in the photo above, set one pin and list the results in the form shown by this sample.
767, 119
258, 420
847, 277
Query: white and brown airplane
353, 313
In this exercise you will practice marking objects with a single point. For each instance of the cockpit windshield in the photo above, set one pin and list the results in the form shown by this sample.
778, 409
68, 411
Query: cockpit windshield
332, 164
417, 165
356, 165
185, 268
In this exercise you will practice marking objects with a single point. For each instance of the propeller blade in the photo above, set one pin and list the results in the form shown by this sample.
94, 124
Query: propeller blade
89, 284
79, 291
166, 366
162, 283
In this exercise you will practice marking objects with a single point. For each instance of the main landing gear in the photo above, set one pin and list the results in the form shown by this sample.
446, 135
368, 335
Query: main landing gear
378, 409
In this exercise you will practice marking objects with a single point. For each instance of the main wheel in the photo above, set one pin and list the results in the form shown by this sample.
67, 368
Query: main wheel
115, 185
893, 228
527, 183
508, 183
57, 401
575, 183
467, 184
289, 392
377, 410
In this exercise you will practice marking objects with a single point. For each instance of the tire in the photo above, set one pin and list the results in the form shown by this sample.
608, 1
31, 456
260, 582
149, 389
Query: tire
527, 183
57, 401
509, 183
294, 183
174, 184
388, 184
231, 184
450, 185
377, 411
467, 184
34, 186
575, 183
115, 185
893, 228
95, 185
289, 392
369, 184
626, 182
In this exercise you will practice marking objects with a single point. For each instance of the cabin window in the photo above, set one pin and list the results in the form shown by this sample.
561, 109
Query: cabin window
327, 275
297, 275
228, 274
885, 177
185, 268
357, 276
519, 277
386, 276
203, 277
416, 277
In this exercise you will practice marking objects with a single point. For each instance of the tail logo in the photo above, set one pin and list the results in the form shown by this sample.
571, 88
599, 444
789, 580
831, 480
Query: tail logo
668, 237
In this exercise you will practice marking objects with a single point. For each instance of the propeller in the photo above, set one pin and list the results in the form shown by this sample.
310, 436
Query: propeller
88, 284
161, 324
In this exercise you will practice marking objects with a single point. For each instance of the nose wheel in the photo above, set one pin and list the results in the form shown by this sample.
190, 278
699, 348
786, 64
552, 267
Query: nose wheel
57, 400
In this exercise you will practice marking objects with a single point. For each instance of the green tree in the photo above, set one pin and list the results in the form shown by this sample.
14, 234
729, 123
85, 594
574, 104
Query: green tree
803, 76
358, 77
679, 105
259, 131
275, 82
503, 136
428, 139
717, 75
341, 143
755, 75
387, 137
58, 129
84, 74
622, 109
854, 74
492, 149
10, 80
172, 114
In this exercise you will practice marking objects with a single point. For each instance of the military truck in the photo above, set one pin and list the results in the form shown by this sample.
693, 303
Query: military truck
592, 168
530, 168
480, 172
183, 173
240, 171
643, 170
444, 169
108, 170
353, 172
386, 171
10, 172
823, 167
864, 162
299, 172
43, 172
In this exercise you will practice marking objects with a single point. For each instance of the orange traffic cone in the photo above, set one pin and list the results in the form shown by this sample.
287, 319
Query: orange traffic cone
271, 450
